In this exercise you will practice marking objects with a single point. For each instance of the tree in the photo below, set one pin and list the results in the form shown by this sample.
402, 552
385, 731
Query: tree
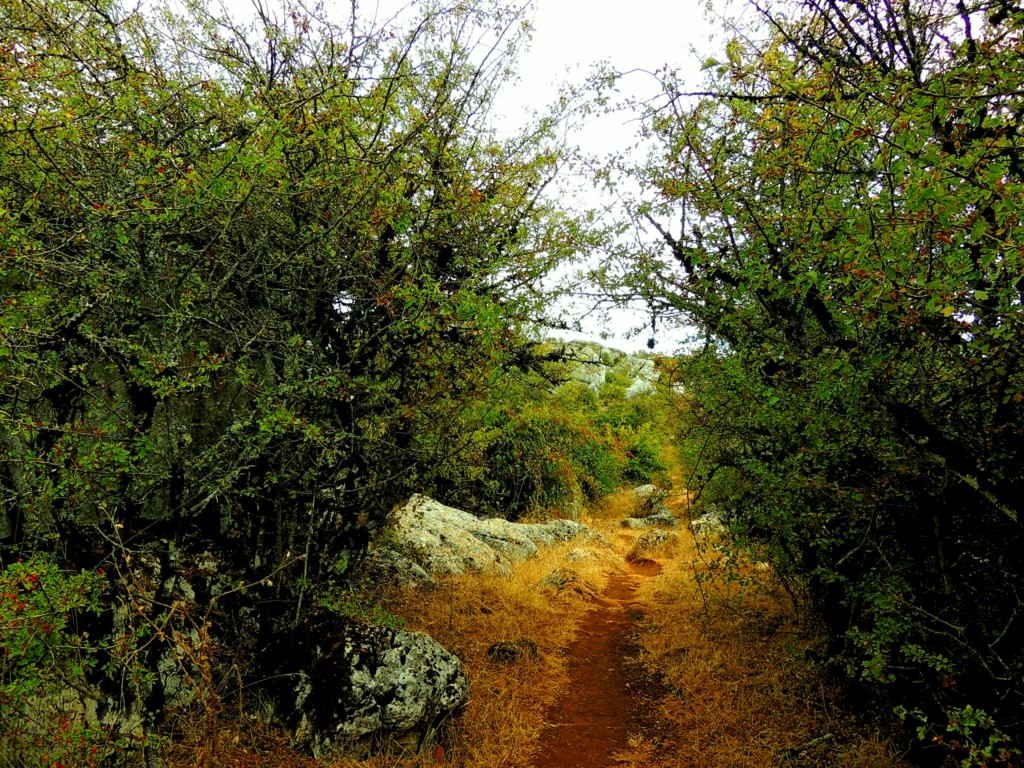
839, 212
241, 265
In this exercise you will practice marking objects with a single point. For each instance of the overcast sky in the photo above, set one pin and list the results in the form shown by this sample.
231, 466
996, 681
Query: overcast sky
570, 36
638, 36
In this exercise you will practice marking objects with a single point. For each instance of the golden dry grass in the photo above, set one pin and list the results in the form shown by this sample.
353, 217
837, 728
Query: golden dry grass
468, 614
732, 658
728, 654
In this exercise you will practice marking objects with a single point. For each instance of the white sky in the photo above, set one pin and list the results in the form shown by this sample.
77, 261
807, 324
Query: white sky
569, 37
638, 36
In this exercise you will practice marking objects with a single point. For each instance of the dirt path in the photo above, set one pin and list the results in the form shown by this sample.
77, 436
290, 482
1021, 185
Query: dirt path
603, 702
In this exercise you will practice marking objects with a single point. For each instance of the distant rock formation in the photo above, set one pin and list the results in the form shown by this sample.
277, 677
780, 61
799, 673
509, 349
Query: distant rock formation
594, 363
567, 581
711, 522
649, 510
662, 519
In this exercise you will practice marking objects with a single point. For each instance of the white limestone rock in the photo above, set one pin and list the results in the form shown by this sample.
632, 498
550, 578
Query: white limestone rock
444, 540
439, 539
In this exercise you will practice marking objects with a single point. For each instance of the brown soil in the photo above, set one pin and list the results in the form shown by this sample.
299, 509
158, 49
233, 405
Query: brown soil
606, 700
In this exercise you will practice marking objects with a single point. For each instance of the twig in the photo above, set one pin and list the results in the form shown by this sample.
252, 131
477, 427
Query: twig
789, 754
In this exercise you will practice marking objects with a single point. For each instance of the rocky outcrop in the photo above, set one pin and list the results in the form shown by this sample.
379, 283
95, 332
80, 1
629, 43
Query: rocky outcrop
591, 370
660, 519
644, 375
653, 539
342, 687
649, 543
641, 368
386, 566
594, 363
444, 541
711, 522
580, 555
644, 492
648, 500
437, 538
649, 510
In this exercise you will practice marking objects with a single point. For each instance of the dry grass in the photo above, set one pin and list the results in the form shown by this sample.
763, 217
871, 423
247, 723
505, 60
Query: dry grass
468, 614
243, 742
728, 650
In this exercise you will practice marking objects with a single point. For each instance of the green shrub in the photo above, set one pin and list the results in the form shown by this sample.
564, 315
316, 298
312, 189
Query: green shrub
46, 664
644, 461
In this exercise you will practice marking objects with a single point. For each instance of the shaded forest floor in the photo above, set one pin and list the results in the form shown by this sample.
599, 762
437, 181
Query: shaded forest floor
677, 656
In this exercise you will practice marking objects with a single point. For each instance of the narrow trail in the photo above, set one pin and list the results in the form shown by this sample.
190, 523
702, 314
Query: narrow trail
603, 702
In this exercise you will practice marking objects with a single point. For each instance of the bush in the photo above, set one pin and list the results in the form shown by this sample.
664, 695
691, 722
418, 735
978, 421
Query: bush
644, 460
544, 449
241, 267
45, 664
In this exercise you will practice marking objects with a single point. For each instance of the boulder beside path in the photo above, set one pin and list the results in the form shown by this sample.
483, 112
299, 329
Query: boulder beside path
346, 688
445, 541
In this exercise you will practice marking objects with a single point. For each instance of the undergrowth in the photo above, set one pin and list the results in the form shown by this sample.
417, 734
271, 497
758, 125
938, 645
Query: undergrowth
715, 631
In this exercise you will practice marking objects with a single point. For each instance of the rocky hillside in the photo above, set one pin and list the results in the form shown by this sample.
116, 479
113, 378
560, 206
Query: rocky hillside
596, 366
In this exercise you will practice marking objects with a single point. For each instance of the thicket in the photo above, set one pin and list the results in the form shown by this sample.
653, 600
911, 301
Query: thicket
252, 276
546, 443
838, 208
